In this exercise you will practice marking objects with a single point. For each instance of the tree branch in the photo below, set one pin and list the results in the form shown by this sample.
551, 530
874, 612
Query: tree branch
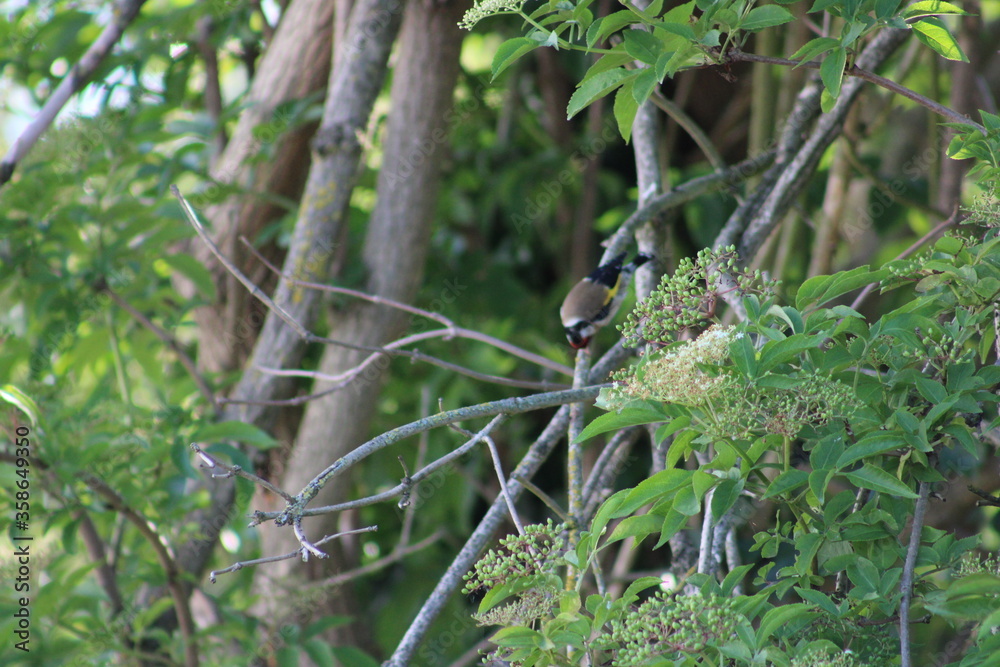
735, 55
163, 555
122, 14
909, 566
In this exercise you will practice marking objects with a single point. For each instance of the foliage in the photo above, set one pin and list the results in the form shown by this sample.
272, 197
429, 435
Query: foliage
698, 33
842, 411
833, 418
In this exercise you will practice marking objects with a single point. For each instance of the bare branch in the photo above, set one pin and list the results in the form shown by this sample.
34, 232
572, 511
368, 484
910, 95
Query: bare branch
735, 55
235, 567
909, 567
122, 14
509, 405
397, 554
165, 557
208, 461
453, 331
406, 486
683, 193
170, 342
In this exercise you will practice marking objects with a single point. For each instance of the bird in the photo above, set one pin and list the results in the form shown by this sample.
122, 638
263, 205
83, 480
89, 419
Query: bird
593, 301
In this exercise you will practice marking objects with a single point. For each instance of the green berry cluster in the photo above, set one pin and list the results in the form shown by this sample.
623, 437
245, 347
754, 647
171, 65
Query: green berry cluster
972, 563
689, 297
537, 551
667, 625
985, 209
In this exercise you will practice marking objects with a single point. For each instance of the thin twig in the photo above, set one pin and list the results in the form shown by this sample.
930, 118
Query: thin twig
397, 554
497, 465
453, 331
235, 567
678, 115
122, 14
735, 55
682, 194
987, 498
209, 461
955, 219
393, 349
909, 566
165, 557
546, 499
407, 485
515, 405
255, 291
170, 342
296, 326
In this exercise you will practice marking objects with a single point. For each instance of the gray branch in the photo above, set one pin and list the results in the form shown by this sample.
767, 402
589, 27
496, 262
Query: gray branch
123, 14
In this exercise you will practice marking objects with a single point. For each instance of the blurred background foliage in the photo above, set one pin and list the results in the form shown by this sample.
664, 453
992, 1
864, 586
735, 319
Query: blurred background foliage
88, 224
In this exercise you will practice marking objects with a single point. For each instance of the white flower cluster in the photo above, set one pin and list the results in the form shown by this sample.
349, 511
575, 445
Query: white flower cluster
487, 8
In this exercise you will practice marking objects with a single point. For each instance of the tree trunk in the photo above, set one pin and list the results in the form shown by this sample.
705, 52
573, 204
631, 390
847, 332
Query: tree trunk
394, 255
295, 66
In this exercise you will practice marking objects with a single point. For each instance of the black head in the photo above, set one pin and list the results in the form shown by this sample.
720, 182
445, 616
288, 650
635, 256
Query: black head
579, 334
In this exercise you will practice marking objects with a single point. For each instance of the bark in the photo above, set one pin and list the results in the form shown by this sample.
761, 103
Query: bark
394, 255
337, 153
295, 66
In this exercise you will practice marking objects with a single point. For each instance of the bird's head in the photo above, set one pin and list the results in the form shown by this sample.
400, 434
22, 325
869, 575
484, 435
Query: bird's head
579, 334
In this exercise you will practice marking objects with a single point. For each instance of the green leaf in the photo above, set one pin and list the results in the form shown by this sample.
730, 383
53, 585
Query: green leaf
818, 479
876, 479
818, 598
635, 415
682, 30
608, 25
780, 351
686, 502
638, 527
726, 495
765, 16
21, 401
832, 70
885, 8
644, 85
673, 522
872, 444
595, 87
517, 635
781, 616
642, 46
821, 289
235, 430
934, 33
508, 53
785, 482
671, 427
864, 575
931, 8
642, 583
652, 489
349, 655
625, 109
742, 352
